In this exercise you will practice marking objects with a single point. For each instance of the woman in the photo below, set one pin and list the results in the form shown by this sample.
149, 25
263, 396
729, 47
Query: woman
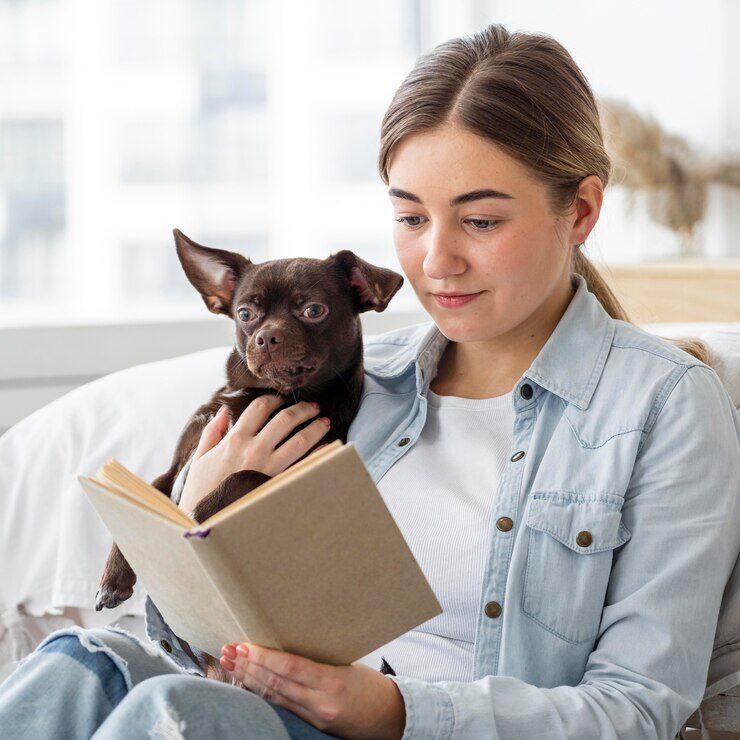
567, 481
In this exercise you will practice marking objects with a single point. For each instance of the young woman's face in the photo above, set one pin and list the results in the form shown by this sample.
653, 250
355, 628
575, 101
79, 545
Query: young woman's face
506, 248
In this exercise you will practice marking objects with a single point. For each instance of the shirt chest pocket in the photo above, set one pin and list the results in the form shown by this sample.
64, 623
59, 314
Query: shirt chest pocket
571, 539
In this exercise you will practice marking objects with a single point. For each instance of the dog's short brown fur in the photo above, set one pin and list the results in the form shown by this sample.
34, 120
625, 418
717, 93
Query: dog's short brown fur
268, 303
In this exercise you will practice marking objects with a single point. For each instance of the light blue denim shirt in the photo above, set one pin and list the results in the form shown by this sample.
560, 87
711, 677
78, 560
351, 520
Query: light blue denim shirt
626, 510
599, 605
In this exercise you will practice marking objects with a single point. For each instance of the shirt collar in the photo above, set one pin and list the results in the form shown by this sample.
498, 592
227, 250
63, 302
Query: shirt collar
585, 332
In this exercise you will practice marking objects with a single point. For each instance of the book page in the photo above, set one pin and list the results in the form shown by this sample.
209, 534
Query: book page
126, 495
114, 475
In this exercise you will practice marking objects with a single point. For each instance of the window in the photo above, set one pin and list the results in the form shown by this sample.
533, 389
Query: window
249, 125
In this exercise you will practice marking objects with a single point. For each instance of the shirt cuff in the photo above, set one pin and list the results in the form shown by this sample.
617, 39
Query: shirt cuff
159, 632
429, 710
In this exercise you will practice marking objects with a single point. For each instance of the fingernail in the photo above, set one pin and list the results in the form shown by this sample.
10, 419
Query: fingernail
326, 420
315, 404
229, 651
242, 649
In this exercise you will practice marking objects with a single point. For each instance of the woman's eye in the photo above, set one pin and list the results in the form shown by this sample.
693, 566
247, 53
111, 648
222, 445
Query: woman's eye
482, 224
311, 311
245, 314
479, 224
407, 220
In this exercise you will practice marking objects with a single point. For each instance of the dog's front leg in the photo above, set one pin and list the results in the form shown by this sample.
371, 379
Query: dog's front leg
117, 581
229, 490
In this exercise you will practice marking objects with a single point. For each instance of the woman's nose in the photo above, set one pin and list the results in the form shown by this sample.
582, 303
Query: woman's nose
443, 255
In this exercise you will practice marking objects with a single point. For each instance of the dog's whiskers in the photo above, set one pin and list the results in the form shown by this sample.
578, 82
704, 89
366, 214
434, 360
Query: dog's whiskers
246, 368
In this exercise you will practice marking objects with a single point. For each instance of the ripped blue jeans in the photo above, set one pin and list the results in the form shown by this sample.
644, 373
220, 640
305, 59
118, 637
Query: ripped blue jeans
106, 683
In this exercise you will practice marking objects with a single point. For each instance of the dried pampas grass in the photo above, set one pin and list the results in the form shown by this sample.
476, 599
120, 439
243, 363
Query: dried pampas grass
672, 174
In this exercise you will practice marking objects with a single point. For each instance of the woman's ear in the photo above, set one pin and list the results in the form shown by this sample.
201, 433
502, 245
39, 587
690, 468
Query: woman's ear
372, 287
214, 273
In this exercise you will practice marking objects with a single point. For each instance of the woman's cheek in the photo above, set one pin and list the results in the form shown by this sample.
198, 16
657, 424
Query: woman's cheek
509, 257
410, 255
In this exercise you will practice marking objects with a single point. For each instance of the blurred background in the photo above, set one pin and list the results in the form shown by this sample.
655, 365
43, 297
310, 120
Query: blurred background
253, 125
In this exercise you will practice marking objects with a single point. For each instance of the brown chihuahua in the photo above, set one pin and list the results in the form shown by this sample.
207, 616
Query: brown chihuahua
298, 333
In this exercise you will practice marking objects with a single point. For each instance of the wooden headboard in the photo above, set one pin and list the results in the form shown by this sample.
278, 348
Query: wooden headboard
657, 292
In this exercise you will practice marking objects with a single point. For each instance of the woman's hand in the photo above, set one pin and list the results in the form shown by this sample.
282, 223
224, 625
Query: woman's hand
349, 701
250, 444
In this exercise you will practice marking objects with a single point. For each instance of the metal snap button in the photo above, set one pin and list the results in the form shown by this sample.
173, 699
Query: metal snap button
584, 538
526, 391
403, 442
504, 524
493, 609
166, 645
517, 456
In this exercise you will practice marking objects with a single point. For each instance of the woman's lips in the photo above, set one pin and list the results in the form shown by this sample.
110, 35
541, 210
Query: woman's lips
454, 301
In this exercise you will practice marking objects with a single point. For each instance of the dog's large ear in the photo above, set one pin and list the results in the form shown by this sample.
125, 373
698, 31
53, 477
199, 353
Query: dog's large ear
214, 273
372, 287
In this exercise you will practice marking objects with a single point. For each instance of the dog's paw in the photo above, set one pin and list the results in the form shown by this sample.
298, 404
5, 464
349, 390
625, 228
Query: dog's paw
109, 596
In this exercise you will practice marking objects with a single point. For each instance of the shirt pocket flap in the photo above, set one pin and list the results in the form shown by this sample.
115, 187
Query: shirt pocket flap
594, 520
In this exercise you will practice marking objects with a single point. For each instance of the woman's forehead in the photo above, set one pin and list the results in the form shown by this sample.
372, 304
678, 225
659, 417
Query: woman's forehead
444, 164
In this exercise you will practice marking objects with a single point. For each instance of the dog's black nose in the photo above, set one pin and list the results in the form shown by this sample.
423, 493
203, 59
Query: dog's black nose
268, 338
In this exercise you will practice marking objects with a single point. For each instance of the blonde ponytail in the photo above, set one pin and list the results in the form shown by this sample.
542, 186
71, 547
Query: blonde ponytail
598, 286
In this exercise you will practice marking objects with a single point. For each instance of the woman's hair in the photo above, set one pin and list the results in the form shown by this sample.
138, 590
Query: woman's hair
524, 93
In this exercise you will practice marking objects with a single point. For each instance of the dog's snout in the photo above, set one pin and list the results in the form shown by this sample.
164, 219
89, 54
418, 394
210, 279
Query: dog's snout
268, 338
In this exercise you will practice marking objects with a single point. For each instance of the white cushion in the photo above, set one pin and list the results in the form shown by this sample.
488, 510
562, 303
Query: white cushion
49, 534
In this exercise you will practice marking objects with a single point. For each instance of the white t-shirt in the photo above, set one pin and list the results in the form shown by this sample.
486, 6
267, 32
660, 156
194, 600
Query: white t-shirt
441, 494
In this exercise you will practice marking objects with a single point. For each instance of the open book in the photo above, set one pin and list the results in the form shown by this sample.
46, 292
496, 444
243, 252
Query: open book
310, 562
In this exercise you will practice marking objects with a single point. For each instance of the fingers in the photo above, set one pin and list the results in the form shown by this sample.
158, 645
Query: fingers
213, 431
296, 446
283, 424
253, 417
259, 438
289, 666
253, 420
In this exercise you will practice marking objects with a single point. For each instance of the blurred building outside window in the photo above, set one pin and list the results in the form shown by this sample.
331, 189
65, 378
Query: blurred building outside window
251, 125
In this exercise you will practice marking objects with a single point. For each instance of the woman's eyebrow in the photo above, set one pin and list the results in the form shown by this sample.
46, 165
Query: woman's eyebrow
458, 199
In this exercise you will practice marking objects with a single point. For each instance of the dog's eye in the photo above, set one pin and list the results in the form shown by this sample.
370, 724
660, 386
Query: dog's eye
245, 314
311, 312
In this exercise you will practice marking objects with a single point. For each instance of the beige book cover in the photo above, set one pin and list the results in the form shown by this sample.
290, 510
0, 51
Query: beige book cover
310, 562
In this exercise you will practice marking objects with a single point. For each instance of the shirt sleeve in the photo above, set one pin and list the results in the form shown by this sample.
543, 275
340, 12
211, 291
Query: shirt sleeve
648, 670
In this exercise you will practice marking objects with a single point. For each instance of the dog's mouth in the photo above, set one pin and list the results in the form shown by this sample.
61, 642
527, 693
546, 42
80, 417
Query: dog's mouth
287, 371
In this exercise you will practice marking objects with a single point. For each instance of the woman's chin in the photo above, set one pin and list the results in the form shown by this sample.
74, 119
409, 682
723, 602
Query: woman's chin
462, 323
462, 329
472, 328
